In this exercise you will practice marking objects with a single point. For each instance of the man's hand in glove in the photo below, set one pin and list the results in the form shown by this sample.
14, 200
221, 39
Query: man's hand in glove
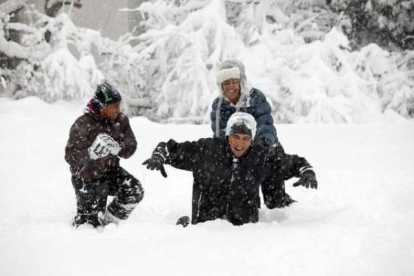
307, 179
157, 159
265, 142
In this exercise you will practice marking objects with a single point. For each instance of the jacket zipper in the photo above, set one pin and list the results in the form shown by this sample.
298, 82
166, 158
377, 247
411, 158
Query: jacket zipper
234, 166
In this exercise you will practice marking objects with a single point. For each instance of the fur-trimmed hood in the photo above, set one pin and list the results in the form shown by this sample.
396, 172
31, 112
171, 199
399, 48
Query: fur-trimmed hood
233, 69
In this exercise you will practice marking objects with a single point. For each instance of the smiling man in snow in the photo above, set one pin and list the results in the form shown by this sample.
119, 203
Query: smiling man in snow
228, 173
97, 140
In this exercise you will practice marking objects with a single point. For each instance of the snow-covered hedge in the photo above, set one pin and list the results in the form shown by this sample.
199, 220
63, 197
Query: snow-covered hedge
308, 73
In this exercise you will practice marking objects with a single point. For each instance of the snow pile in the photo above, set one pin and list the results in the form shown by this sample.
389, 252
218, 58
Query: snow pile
359, 221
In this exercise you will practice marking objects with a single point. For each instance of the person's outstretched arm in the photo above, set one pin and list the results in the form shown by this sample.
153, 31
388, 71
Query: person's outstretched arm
288, 166
184, 156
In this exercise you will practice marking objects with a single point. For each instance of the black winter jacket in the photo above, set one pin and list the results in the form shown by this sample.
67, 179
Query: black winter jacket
84, 132
224, 186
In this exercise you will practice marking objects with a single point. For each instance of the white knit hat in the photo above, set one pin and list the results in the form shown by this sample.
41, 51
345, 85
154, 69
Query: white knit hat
241, 121
226, 74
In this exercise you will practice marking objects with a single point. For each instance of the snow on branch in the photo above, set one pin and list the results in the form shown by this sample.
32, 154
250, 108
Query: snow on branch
12, 49
11, 6
180, 57
167, 73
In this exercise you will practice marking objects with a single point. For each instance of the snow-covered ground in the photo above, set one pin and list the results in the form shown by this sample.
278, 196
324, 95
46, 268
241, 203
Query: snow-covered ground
359, 222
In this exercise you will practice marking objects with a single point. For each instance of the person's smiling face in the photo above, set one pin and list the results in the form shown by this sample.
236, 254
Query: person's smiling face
239, 143
231, 89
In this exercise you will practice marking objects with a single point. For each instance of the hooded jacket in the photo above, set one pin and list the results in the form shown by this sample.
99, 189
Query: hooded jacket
226, 187
251, 101
84, 132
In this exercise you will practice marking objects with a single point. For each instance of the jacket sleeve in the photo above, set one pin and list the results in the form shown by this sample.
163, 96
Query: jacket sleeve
213, 116
264, 119
128, 143
76, 151
292, 166
186, 155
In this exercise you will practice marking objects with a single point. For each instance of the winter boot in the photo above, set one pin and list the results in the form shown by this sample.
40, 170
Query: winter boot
288, 200
81, 219
108, 218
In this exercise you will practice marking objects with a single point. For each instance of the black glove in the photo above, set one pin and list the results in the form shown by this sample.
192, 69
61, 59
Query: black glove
184, 221
157, 159
307, 179
265, 142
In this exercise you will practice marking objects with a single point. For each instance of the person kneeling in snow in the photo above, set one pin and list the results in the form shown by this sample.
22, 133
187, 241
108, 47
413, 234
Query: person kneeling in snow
97, 140
228, 173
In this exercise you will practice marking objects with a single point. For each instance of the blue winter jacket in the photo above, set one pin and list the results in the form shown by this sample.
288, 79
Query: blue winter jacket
255, 104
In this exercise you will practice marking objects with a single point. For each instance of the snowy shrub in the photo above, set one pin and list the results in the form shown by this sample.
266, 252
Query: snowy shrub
391, 75
51, 70
70, 64
121, 65
388, 23
310, 19
305, 67
311, 82
69, 71
8, 49
325, 82
184, 43
180, 54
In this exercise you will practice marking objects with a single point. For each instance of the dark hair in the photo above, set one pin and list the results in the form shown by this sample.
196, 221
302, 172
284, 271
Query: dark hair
240, 128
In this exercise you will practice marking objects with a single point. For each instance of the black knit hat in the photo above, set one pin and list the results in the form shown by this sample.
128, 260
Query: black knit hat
243, 123
105, 94
240, 128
